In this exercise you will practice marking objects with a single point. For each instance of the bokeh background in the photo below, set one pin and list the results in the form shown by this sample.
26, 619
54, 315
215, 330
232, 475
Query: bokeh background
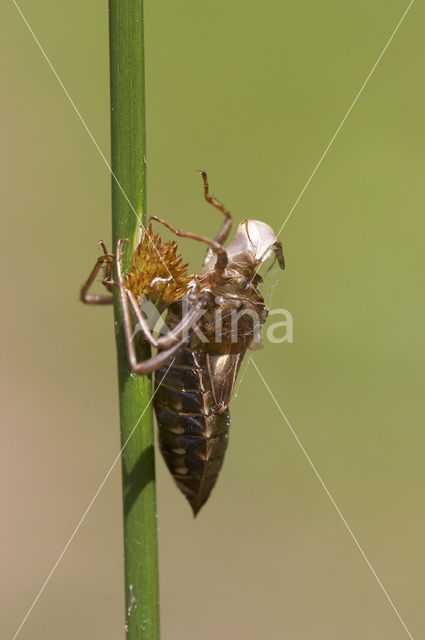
252, 92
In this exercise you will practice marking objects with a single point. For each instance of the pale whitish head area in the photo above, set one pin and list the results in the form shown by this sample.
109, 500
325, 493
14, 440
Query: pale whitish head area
256, 239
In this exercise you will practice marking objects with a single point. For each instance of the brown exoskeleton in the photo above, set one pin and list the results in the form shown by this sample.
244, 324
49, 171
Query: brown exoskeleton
212, 318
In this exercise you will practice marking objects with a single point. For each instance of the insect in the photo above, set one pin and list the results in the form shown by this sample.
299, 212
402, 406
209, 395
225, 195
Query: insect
212, 318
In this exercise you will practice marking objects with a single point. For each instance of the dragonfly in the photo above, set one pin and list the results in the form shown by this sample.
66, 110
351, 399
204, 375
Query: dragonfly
212, 318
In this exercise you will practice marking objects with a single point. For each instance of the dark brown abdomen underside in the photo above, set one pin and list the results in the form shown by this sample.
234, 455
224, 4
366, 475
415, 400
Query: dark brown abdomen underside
193, 432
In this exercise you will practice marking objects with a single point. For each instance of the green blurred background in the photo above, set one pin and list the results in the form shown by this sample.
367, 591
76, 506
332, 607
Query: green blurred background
252, 92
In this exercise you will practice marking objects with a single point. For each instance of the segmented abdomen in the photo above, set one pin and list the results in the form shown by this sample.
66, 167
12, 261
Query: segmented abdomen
193, 431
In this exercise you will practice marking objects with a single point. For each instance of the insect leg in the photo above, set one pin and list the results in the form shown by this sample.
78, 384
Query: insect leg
145, 367
151, 364
225, 227
89, 298
176, 334
215, 246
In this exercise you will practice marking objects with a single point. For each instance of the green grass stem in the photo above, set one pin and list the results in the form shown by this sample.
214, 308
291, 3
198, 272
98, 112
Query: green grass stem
128, 203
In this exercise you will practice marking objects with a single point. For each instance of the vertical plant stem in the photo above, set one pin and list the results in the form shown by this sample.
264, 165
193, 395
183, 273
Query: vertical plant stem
128, 186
